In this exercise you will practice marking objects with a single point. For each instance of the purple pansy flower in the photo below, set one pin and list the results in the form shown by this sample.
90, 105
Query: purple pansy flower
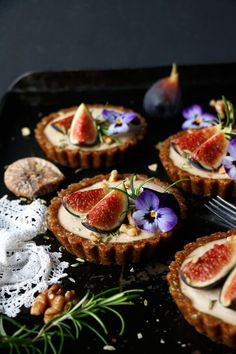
229, 162
195, 118
119, 121
150, 216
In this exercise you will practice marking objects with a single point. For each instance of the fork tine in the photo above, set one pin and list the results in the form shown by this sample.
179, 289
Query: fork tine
224, 211
226, 222
226, 204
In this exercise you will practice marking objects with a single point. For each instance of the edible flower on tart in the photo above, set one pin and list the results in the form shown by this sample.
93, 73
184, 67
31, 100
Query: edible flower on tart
128, 214
90, 135
206, 156
196, 118
84, 128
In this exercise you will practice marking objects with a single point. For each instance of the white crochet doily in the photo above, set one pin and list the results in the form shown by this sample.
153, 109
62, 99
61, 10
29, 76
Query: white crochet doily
25, 268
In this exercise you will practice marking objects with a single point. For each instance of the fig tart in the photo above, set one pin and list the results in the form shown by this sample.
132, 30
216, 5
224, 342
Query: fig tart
90, 135
202, 282
116, 218
204, 158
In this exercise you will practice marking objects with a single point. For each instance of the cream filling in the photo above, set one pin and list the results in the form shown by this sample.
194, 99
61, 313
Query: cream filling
62, 140
185, 164
73, 223
207, 300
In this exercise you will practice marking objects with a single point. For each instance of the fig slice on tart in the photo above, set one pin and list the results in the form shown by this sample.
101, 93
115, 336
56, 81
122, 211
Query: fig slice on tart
209, 155
109, 213
209, 265
63, 124
186, 144
228, 291
82, 201
83, 130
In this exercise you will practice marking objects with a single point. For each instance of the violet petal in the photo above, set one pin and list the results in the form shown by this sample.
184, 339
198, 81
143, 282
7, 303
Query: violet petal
147, 201
232, 148
167, 219
229, 164
192, 112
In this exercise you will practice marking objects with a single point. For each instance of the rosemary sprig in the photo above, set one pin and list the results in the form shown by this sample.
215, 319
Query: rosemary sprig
134, 192
51, 336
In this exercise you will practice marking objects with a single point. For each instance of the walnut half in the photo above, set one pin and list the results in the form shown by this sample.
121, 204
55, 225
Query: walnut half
52, 302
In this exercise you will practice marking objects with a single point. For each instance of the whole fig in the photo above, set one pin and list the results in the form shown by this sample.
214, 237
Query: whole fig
163, 98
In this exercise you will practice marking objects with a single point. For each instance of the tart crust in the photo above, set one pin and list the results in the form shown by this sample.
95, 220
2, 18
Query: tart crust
87, 158
195, 184
108, 253
213, 327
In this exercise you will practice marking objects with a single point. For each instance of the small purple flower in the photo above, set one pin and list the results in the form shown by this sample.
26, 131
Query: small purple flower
150, 216
119, 121
229, 162
195, 118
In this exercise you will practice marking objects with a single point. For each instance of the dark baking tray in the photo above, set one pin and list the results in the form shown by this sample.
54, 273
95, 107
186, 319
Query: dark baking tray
154, 317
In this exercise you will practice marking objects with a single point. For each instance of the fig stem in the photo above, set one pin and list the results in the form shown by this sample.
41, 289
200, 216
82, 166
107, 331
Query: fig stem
174, 72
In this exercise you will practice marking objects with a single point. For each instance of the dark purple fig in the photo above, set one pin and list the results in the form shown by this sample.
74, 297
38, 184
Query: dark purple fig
228, 292
83, 130
83, 201
109, 213
163, 98
209, 264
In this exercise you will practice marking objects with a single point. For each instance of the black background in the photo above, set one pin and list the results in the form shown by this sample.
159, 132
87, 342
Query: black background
38, 35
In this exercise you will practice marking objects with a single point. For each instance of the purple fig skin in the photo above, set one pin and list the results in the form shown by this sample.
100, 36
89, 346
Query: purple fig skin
163, 98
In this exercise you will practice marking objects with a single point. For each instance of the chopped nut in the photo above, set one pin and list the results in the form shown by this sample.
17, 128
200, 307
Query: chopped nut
52, 302
25, 131
129, 229
153, 167
94, 237
39, 305
158, 145
113, 176
222, 170
108, 140
130, 219
219, 106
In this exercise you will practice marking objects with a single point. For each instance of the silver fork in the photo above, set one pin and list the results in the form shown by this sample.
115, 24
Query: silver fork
224, 210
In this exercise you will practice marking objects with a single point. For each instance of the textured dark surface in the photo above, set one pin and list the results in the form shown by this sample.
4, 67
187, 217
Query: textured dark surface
38, 35
154, 324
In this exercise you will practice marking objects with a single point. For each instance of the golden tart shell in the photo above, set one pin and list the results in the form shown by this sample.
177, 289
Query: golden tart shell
216, 329
108, 252
79, 158
195, 184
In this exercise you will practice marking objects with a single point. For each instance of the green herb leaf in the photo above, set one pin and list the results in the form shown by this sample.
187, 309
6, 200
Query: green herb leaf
51, 336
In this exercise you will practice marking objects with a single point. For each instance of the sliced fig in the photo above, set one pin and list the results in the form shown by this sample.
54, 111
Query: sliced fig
228, 292
83, 201
109, 213
209, 155
209, 265
187, 143
83, 130
63, 124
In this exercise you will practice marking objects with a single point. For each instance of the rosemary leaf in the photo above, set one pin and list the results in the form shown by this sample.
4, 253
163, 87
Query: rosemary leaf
51, 336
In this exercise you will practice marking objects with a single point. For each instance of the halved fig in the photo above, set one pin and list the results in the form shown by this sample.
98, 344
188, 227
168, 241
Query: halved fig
187, 143
209, 264
63, 124
83, 201
209, 155
228, 292
109, 213
83, 130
